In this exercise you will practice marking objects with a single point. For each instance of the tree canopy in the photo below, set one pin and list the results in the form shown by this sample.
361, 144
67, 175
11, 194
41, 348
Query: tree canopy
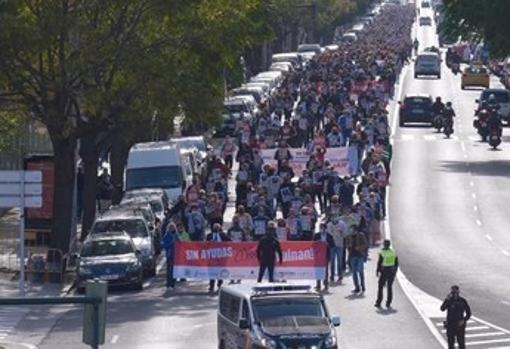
479, 20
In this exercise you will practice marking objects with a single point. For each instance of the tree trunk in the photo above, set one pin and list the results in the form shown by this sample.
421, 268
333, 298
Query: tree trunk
118, 158
89, 154
64, 180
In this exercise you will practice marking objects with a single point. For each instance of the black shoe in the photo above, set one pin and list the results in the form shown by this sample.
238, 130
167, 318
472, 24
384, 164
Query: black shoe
363, 289
388, 306
377, 305
356, 290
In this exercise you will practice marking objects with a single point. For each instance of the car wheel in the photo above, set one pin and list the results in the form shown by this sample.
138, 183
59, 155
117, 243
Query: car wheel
139, 285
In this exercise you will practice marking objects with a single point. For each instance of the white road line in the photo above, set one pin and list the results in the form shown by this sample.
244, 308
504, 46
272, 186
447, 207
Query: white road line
407, 137
475, 208
429, 137
488, 342
485, 334
473, 196
471, 183
465, 156
506, 347
473, 328
473, 138
463, 146
479, 222
115, 338
506, 253
505, 303
489, 237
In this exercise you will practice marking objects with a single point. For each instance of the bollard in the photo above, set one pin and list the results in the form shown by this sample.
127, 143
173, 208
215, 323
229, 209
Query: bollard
94, 316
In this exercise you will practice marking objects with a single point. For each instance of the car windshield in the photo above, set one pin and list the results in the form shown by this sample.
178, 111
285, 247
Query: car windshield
271, 308
428, 58
134, 227
106, 248
422, 101
191, 143
235, 108
501, 96
154, 177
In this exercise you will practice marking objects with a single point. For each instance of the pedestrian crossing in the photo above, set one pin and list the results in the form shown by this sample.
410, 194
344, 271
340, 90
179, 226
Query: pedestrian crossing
10, 316
480, 334
433, 137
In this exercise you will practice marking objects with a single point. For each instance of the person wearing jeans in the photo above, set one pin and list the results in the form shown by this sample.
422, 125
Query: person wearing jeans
357, 249
338, 229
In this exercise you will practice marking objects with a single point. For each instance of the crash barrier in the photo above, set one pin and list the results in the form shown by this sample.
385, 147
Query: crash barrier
94, 317
47, 267
302, 260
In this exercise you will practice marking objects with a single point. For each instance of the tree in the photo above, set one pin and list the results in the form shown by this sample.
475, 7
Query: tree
479, 20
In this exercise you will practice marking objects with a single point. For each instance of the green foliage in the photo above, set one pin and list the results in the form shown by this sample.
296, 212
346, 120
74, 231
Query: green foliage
479, 20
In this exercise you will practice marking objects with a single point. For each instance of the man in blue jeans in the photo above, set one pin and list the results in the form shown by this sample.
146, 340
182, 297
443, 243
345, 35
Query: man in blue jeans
338, 230
357, 244
168, 244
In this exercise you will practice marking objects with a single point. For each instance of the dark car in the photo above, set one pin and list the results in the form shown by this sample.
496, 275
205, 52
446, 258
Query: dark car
417, 108
111, 257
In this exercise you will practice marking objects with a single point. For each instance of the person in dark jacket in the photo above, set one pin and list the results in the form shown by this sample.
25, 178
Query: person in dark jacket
168, 244
267, 250
326, 237
387, 266
458, 313
216, 235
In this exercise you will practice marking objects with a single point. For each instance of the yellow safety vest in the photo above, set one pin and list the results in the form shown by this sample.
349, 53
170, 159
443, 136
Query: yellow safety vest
389, 256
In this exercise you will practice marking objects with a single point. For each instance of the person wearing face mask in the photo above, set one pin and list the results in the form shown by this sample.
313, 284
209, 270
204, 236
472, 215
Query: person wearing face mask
216, 235
458, 313
335, 138
324, 236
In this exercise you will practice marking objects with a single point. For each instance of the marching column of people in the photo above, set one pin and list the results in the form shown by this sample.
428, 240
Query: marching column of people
341, 98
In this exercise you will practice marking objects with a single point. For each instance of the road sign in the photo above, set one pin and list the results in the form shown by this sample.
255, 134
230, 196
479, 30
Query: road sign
15, 176
15, 201
13, 189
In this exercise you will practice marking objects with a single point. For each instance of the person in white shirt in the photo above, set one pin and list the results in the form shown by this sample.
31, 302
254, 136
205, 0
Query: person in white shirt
338, 230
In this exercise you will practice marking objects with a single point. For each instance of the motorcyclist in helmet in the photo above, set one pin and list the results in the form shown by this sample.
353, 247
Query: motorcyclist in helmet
438, 106
448, 114
493, 103
416, 44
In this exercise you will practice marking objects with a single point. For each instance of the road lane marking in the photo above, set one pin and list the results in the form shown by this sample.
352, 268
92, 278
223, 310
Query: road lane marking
407, 137
465, 156
473, 138
471, 183
479, 222
472, 328
473, 195
505, 303
463, 146
429, 137
488, 342
115, 338
489, 237
485, 334
475, 208
506, 253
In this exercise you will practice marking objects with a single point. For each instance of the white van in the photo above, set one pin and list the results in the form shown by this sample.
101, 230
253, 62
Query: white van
292, 57
427, 63
156, 165
276, 315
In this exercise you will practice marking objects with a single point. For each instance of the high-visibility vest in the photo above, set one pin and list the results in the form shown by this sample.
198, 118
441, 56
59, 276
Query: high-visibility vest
389, 256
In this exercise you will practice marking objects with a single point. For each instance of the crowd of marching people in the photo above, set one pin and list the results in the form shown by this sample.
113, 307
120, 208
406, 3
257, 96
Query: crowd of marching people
339, 99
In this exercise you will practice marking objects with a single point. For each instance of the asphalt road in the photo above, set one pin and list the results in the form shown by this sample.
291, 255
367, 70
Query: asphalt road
449, 202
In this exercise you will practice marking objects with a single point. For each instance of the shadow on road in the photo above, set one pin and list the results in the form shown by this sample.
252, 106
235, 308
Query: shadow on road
495, 168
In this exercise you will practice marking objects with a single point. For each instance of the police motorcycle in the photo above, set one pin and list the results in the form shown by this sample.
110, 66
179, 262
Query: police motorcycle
437, 120
495, 128
480, 123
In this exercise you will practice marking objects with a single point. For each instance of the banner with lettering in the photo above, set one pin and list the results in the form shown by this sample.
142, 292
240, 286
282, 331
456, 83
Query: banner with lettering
300, 156
302, 260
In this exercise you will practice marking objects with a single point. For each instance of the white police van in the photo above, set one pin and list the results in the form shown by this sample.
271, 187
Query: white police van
274, 316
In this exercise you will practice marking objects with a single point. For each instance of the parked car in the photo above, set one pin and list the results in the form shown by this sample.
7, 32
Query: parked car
274, 316
136, 226
234, 108
292, 57
416, 108
257, 92
157, 165
141, 206
284, 67
158, 195
111, 257
349, 37
315, 48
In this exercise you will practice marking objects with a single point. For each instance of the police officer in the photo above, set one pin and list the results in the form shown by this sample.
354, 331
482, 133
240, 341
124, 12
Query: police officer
387, 266
458, 313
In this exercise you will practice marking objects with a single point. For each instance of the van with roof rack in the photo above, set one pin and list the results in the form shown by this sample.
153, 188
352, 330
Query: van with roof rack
274, 316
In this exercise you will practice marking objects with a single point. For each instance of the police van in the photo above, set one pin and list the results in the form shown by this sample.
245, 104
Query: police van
274, 316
